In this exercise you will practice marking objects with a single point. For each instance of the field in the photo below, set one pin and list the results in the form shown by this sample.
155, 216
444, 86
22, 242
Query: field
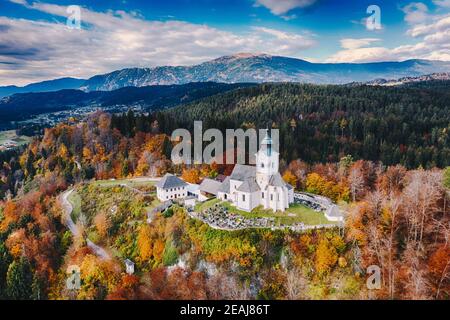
75, 200
10, 137
133, 182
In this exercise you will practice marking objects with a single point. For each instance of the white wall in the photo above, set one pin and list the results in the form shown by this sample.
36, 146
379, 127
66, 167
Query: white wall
252, 200
171, 193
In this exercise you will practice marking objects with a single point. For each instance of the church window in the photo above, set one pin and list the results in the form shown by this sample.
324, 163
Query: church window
262, 165
262, 195
243, 197
271, 197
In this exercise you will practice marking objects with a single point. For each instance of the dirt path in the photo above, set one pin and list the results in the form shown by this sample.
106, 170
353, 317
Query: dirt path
67, 220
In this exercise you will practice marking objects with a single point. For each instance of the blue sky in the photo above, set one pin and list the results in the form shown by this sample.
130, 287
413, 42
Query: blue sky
36, 43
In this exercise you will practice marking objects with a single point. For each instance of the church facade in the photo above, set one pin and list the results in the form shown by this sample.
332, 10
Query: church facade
249, 186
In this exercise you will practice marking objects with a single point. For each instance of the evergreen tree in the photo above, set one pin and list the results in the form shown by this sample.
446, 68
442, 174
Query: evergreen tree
5, 259
38, 288
19, 279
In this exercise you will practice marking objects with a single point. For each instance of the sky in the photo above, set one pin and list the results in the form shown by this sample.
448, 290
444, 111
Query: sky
48, 39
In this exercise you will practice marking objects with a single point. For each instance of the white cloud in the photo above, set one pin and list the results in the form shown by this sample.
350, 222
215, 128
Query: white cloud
350, 43
280, 7
36, 50
432, 42
442, 3
415, 12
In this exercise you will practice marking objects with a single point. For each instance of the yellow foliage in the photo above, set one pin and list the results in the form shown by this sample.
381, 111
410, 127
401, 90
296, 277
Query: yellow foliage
290, 178
326, 257
144, 242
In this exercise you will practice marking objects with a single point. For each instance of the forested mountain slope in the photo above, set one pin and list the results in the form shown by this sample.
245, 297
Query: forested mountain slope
410, 126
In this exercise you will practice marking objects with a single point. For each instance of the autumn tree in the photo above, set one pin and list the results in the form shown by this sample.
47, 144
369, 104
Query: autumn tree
326, 256
439, 267
191, 175
447, 177
102, 224
290, 178
144, 243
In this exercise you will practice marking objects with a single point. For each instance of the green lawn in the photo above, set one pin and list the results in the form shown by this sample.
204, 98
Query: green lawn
128, 182
295, 214
75, 200
153, 205
11, 135
200, 206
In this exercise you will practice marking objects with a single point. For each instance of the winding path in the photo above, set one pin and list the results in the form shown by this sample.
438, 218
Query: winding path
67, 220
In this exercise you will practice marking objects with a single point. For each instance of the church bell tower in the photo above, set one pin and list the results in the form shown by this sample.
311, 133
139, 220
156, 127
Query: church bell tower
267, 161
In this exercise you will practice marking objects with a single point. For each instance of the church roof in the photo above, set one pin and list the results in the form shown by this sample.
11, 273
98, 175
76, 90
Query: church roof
170, 181
225, 187
333, 211
242, 172
210, 186
249, 185
277, 181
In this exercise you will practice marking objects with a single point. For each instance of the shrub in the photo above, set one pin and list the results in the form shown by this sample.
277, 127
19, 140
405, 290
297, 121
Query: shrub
170, 256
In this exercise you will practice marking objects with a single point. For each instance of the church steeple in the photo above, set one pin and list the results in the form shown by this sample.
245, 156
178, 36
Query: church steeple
266, 160
266, 144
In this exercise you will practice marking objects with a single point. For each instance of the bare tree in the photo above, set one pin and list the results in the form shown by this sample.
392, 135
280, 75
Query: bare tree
357, 181
296, 284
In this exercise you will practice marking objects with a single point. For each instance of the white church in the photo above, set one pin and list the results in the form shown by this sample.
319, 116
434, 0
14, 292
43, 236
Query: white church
249, 186
246, 188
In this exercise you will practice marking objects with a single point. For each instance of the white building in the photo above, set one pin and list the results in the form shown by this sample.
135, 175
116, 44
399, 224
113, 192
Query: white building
249, 186
171, 187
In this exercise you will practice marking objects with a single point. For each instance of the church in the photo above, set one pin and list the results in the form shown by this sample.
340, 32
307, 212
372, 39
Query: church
249, 186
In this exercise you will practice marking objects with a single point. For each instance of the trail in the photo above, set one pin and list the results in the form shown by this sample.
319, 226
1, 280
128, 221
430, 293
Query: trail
67, 220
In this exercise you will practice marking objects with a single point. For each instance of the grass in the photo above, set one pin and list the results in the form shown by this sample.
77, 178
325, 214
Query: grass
75, 200
200, 206
11, 135
296, 213
129, 182
153, 205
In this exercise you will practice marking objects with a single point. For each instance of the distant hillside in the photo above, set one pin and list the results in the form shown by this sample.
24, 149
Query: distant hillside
323, 123
21, 106
238, 68
45, 86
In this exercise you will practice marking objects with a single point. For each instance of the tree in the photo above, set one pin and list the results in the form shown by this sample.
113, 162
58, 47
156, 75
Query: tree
191, 175
5, 260
144, 243
326, 256
447, 177
102, 224
290, 178
38, 288
19, 280
356, 179
439, 267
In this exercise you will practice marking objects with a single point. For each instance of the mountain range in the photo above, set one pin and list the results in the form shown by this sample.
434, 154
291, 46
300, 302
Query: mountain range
243, 67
